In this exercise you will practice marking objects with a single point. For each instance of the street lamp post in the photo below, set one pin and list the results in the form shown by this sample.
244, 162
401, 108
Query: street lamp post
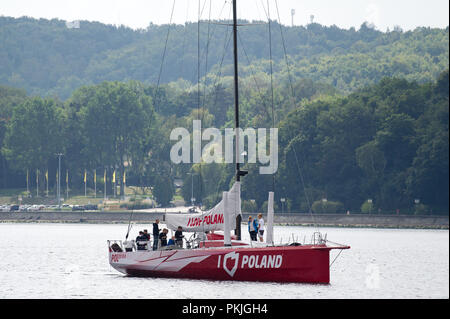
416, 204
253, 202
370, 201
192, 188
59, 179
324, 203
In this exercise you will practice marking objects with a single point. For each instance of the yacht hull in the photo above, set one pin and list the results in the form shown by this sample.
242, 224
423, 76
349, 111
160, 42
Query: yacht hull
301, 264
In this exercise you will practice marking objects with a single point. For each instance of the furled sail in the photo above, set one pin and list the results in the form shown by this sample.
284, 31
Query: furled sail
209, 220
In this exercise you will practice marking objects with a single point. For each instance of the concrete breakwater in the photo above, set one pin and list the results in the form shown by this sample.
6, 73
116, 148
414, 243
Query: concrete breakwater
381, 221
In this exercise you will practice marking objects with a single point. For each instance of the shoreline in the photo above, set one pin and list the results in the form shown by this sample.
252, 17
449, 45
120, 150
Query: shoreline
305, 220
275, 224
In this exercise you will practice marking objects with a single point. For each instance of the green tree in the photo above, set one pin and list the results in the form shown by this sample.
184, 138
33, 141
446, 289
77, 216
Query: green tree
33, 134
116, 118
163, 190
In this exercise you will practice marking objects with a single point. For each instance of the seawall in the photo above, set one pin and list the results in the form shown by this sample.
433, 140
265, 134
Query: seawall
381, 221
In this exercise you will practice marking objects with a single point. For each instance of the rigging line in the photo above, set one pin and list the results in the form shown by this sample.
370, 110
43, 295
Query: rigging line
250, 65
253, 75
264, 9
210, 35
219, 73
259, 12
206, 63
293, 105
198, 73
198, 57
164, 54
132, 212
271, 81
285, 55
184, 37
256, 83
208, 43
203, 8
304, 188
336, 257
198, 78
218, 77
214, 29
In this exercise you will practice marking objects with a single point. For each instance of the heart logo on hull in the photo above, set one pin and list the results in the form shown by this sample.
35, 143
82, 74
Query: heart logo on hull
233, 256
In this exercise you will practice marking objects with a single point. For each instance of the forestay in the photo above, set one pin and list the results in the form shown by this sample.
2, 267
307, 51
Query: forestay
209, 220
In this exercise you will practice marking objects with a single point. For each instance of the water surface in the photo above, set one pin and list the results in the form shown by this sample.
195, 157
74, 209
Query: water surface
71, 261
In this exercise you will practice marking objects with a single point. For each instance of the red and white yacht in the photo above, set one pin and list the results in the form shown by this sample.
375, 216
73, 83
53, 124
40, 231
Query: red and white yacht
208, 255
220, 257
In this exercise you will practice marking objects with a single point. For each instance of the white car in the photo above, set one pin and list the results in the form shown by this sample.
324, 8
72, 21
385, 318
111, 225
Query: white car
33, 208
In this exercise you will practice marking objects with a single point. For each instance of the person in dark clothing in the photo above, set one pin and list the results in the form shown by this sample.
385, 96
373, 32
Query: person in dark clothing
252, 228
139, 241
146, 234
163, 237
155, 234
179, 237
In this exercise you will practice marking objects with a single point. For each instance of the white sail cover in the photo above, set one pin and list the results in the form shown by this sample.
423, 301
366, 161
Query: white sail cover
212, 219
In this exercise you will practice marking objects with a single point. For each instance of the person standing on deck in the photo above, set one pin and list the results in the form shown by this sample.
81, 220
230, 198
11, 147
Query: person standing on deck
146, 234
155, 234
252, 228
179, 237
140, 241
163, 237
260, 227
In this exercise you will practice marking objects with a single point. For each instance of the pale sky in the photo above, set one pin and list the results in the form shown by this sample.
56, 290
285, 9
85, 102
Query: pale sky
408, 14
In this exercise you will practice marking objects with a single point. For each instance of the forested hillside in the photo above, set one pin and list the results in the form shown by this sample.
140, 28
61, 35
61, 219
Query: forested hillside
362, 114
48, 59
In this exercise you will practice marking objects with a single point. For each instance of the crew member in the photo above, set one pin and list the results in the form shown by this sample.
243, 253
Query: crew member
155, 234
252, 228
163, 237
146, 234
179, 237
139, 241
260, 227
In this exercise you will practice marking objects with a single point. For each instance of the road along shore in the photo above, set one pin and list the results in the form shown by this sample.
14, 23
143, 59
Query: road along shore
335, 220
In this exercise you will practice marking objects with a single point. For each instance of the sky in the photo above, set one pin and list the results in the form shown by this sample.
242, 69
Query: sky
408, 14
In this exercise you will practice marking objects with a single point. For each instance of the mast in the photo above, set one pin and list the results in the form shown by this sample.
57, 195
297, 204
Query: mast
239, 173
236, 90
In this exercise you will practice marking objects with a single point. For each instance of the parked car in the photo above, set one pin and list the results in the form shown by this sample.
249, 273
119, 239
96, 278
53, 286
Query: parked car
14, 208
33, 208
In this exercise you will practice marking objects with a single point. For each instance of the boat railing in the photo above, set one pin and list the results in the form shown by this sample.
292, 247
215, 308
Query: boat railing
132, 245
318, 239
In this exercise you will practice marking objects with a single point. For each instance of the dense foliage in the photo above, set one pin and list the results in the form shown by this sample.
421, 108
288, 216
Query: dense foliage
47, 58
361, 114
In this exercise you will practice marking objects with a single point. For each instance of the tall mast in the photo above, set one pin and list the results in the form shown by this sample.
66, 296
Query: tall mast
239, 173
236, 90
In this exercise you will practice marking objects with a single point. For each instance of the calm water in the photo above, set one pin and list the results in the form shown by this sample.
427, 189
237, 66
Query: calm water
71, 261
